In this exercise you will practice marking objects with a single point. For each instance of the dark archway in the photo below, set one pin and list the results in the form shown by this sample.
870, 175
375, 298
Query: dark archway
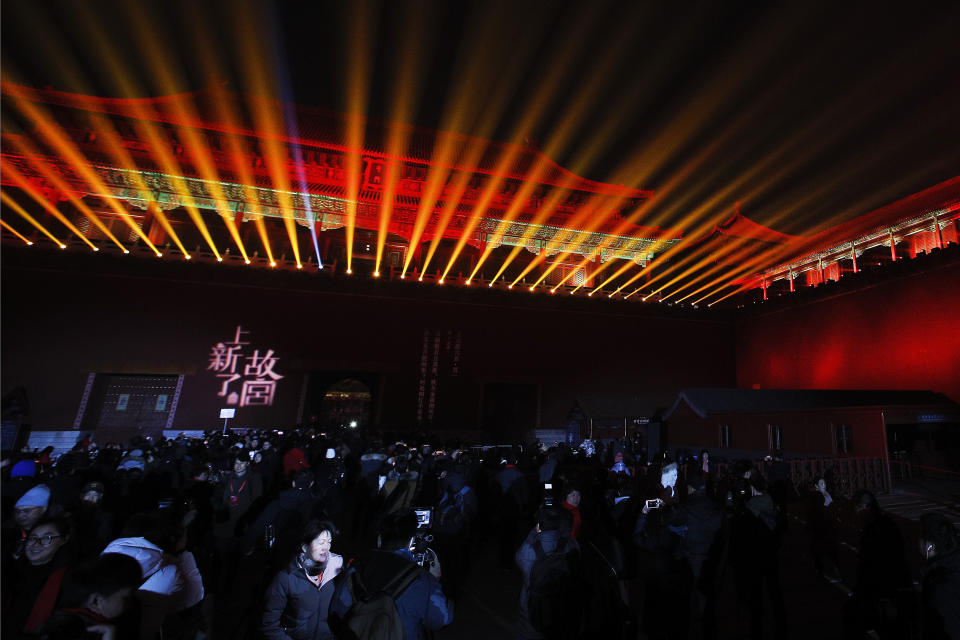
347, 403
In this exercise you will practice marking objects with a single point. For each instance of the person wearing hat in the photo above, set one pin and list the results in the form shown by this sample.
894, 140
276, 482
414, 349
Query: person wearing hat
27, 511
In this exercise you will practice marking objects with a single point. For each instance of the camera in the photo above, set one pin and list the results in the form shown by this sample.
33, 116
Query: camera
548, 494
423, 555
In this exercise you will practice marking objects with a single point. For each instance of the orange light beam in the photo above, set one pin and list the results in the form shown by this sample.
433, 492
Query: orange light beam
145, 120
121, 156
497, 97
59, 141
3, 223
865, 158
21, 181
72, 76
239, 154
60, 184
543, 97
406, 96
185, 112
10, 202
268, 117
519, 201
764, 259
362, 35
586, 217
584, 99
796, 152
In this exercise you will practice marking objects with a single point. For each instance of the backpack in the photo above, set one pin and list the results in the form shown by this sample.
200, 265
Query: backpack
554, 598
374, 616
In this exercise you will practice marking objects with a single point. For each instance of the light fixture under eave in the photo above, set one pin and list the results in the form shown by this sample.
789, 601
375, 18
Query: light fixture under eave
376, 274
531, 288
273, 264
188, 257
349, 272
96, 248
467, 283
441, 281
126, 250
63, 246
159, 255
246, 261
299, 266
219, 259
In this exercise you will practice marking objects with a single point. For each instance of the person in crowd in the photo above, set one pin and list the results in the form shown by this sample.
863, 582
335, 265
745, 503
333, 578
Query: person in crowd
420, 603
455, 514
754, 546
551, 594
27, 512
94, 596
22, 478
940, 550
548, 468
703, 543
171, 581
92, 522
283, 517
32, 582
294, 460
511, 498
571, 503
823, 525
238, 492
882, 597
298, 600
668, 580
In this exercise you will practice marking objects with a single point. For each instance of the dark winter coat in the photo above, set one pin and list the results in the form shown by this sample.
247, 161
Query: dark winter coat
296, 609
703, 520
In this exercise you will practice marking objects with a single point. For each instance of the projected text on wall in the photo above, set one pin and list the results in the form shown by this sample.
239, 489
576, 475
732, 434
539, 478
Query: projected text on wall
246, 380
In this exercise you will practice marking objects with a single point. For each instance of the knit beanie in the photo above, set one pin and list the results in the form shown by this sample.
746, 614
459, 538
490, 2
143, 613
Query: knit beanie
39, 496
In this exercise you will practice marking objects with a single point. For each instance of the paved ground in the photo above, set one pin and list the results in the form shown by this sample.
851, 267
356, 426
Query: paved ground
487, 608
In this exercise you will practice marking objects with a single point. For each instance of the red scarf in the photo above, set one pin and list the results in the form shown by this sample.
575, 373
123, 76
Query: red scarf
46, 600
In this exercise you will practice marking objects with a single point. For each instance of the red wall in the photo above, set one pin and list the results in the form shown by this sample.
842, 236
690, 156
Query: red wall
803, 432
903, 334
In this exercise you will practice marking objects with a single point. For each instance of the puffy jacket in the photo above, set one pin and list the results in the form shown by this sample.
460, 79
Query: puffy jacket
422, 606
296, 608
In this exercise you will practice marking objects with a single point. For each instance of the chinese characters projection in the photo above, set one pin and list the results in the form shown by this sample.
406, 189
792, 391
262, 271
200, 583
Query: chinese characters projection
254, 374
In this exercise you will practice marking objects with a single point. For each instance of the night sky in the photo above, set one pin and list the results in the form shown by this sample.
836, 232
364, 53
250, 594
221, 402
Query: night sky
808, 113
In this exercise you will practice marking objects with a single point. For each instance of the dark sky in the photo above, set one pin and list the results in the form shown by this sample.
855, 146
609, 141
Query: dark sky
807, 112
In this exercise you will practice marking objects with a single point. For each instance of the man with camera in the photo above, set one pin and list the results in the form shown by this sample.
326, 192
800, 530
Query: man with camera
388, 590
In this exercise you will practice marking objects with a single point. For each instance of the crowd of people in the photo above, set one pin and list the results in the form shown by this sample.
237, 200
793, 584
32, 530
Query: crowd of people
308, 535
